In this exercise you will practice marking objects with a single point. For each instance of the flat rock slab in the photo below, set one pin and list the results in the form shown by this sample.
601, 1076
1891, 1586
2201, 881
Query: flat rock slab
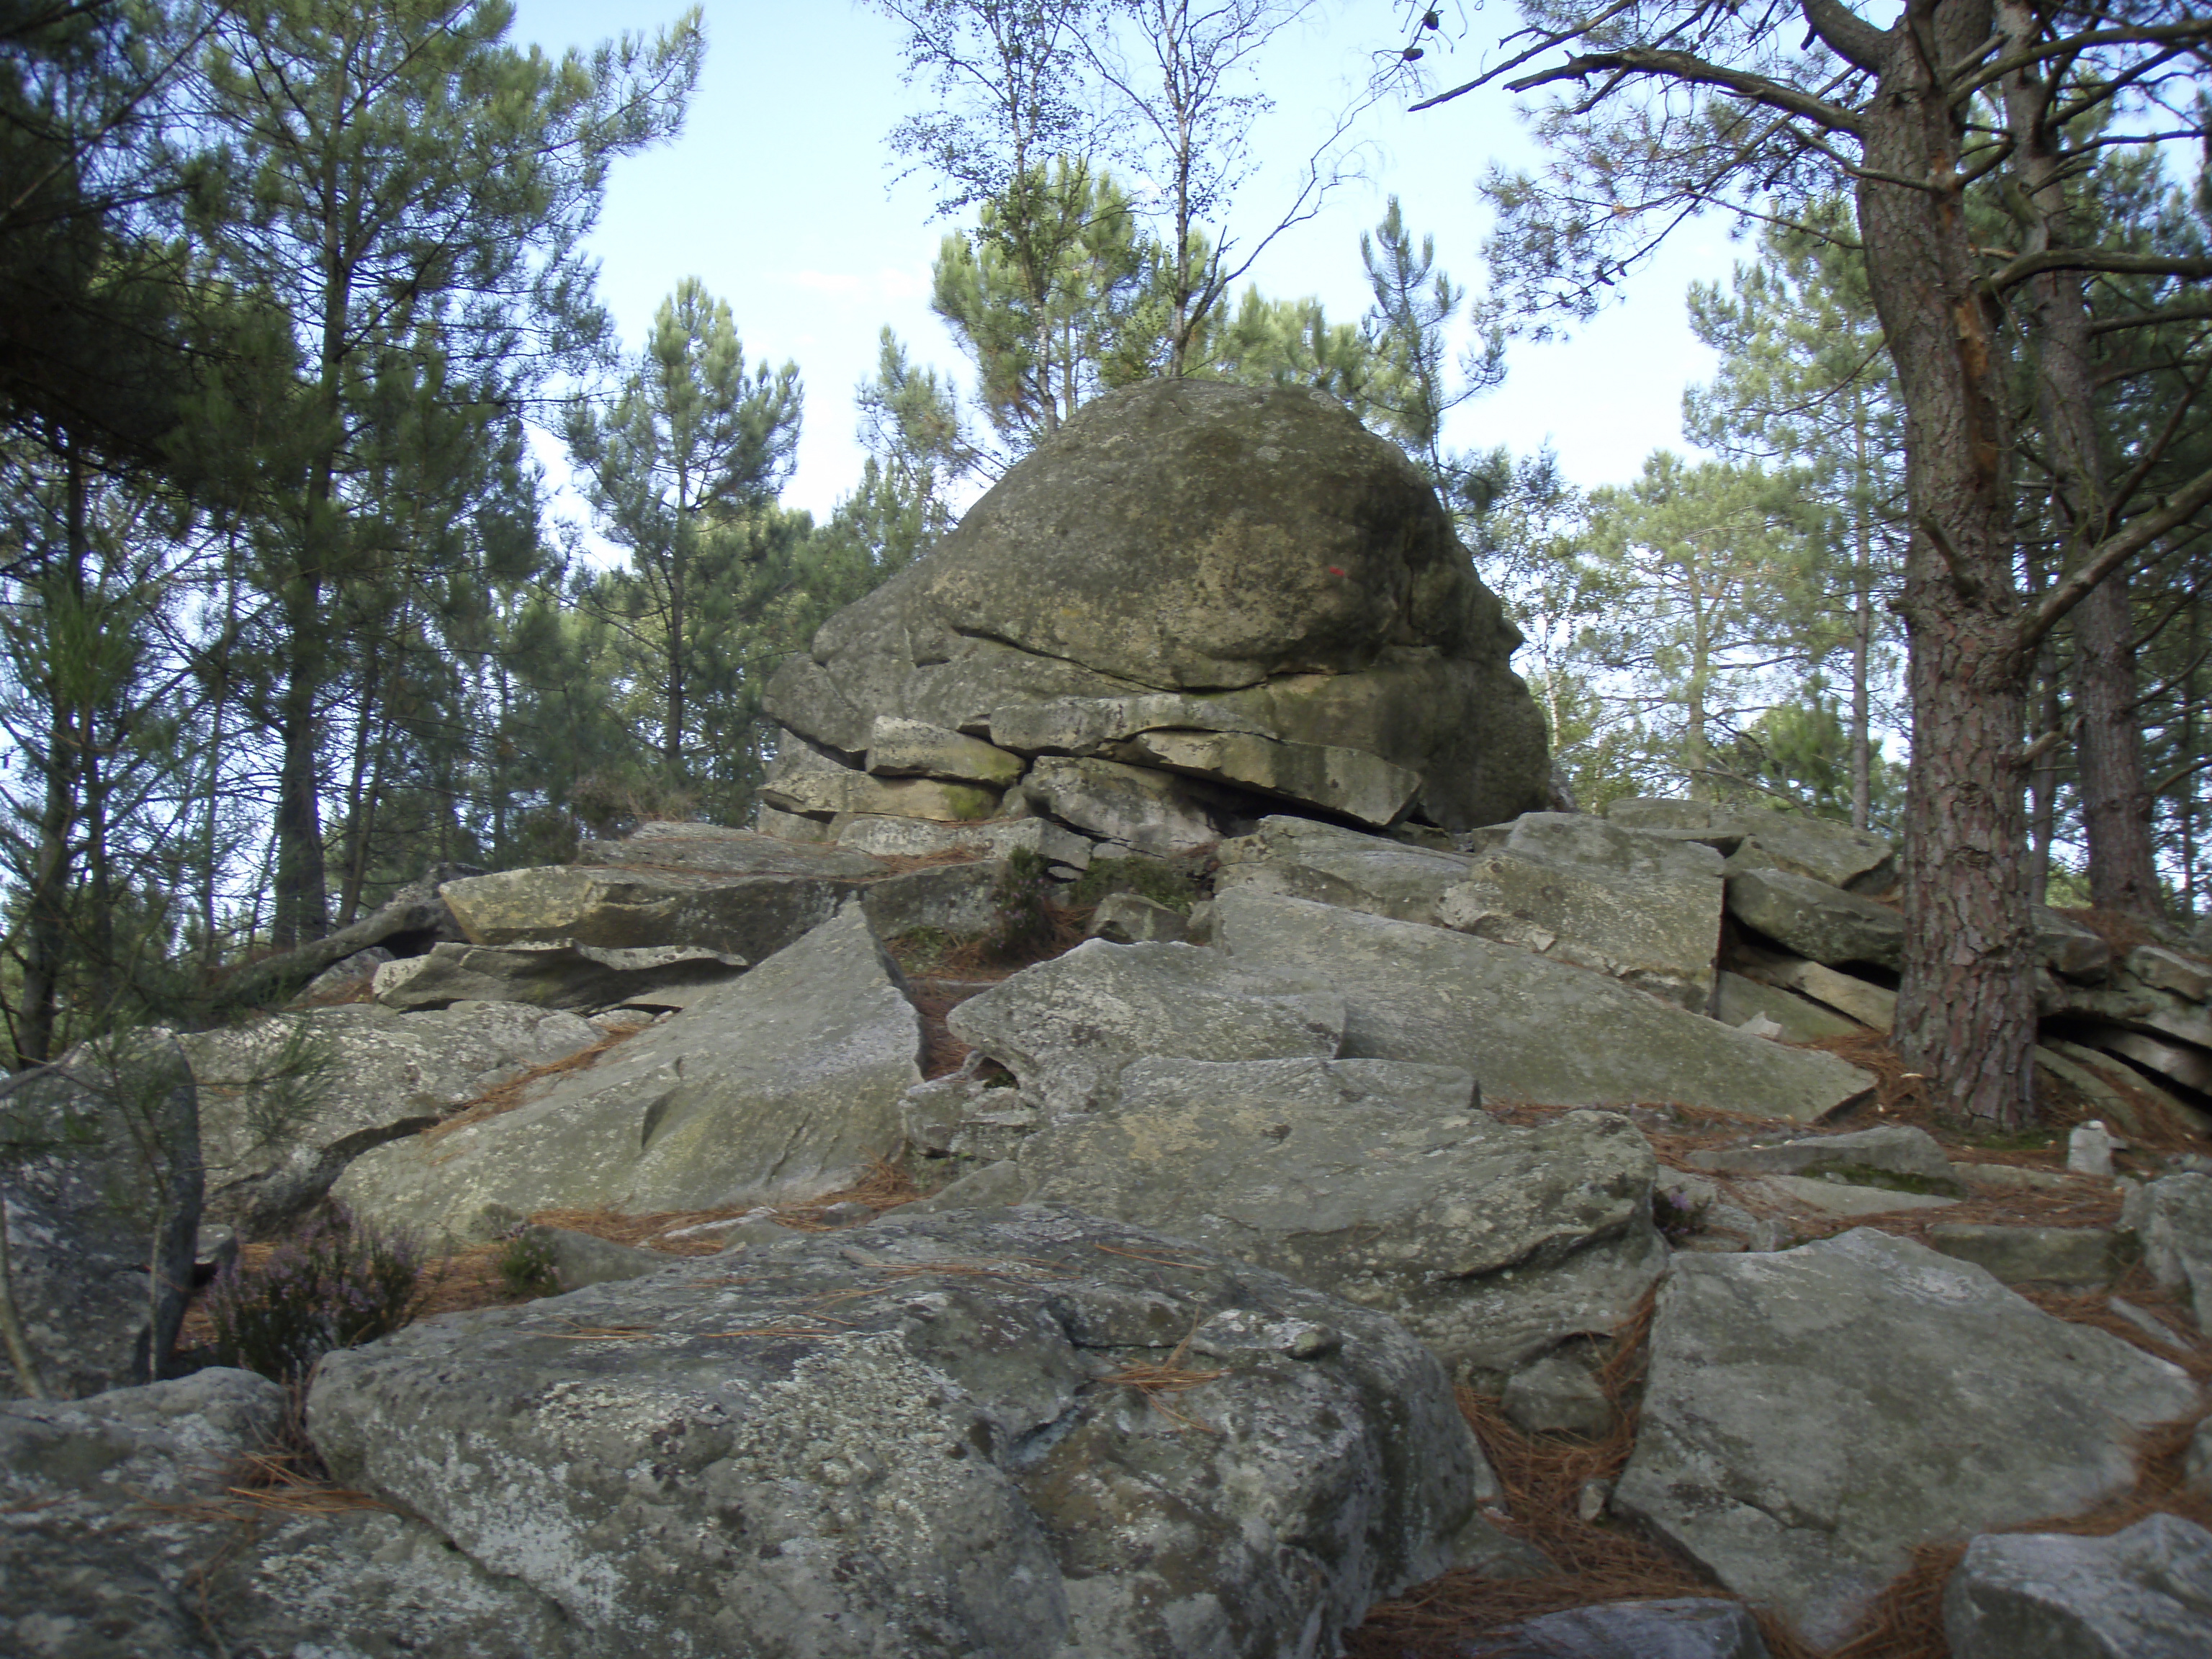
1896, 1148
547, 976
1738, 1000
752, 916
2172, 1220
1139, 807
778, 1086
1826, 924
1684, 1627
1066, 1027
904, 748
125, 1541
1299, 858
2030, 1255
915, 1439
103, 1191
1529, 1029
2145, 1593
995, 838
286, 1102
1337, 779
1380, 1181
1812, 1415
712, 849
1833, 852
1831, 1196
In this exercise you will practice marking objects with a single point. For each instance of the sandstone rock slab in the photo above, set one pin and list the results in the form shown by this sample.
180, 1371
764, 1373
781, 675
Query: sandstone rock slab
713, 849
1135, 806
1682, 1627
1529, 1029
1945, 1405
546, 975
1337, 779
949, 1466
2172, 1220
1067, 1027
1827, 924
1827, 852
1897, 1148
288, 1101
904, 748
1380, 1181
779, 1086
1737, 1000
2027, 1256
1300, 858
2144, 1593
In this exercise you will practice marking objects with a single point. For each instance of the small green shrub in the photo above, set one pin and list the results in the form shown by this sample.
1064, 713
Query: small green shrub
1024, 923
526, 1267
1146, 877
1890, 1180
335, 1282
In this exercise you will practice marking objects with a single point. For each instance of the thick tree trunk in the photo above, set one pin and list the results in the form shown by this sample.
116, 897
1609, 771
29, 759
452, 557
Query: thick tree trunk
1966, 1014
2116, 805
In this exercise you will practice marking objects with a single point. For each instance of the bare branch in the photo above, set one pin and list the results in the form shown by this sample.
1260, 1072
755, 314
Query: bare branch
2110, 555
1697, 71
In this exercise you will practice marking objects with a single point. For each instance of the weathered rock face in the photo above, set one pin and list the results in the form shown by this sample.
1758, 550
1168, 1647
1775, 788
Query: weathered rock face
1067, 1027
777, 1086
2172, 1220
1686, 1627
288, 1101
123, 1542
1812, 1415
1447, 998
1251, 559
1757, 838
103, 1208
547, 976
951, 1465
2145, 1593
1380, 1181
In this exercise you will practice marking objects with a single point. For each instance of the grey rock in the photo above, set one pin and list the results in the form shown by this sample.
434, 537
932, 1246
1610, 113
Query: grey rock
779, 1086
1134, 806
952, 898
286, 1102
1685, 1627
1861, 1000
581, 1258
1065, 1028
1829, 1195
829, 790
1132, 918
125, 1540
947, 1467
1762, 838
1898, 1148
1299, 858
1944, 1403
1797, 1018
547, 976
1084, 725
2145, 1593
627, 908
903, 748
348, 975
1337, 779
1558, 1394
1380, 1181
792, 826
2185, 976
1581, 891
413, 919
715, 850
2023, 1256
2066, 947
1826, 924
101, 1192
887, 837
1530, 1030
1094, 571
2172, 1220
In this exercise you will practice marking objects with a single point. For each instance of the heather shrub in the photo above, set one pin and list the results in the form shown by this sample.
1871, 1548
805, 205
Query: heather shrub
526, 1267
335, 1282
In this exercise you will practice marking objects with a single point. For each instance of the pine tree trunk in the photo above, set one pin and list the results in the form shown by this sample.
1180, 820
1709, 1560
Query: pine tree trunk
1965, 1013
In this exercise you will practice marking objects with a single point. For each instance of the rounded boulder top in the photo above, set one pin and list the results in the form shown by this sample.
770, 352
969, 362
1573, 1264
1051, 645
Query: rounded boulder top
1197, 535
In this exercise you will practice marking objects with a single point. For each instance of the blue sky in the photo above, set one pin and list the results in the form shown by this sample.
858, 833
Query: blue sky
782, 195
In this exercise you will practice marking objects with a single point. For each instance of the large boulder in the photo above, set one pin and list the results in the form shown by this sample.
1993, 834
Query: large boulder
1812, 1415
778, 1086
1027, 1434
1377, 1181
130, 1534
102, 1182
1299, 858
1252, 545
1529, 1028
287, 1101
1067, 1027
2144, 1593
2171, 1221
547, 976
1764, 838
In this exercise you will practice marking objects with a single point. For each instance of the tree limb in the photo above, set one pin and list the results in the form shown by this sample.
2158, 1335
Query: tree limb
2089, 258
2109, 555
1697, 71
1847, 34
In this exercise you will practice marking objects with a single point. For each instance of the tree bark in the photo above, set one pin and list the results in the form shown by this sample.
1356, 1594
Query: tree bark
1965, 1013
2116, 803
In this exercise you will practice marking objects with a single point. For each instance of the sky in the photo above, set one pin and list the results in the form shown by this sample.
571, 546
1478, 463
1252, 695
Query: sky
782, 195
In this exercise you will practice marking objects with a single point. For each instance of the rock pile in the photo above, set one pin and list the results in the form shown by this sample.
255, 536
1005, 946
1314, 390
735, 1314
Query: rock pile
1417, 1086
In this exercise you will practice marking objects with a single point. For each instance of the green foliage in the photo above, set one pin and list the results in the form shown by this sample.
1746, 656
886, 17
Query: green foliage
1022, 899
524, 1264
335, 1282
1147, 877
1891, 1181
